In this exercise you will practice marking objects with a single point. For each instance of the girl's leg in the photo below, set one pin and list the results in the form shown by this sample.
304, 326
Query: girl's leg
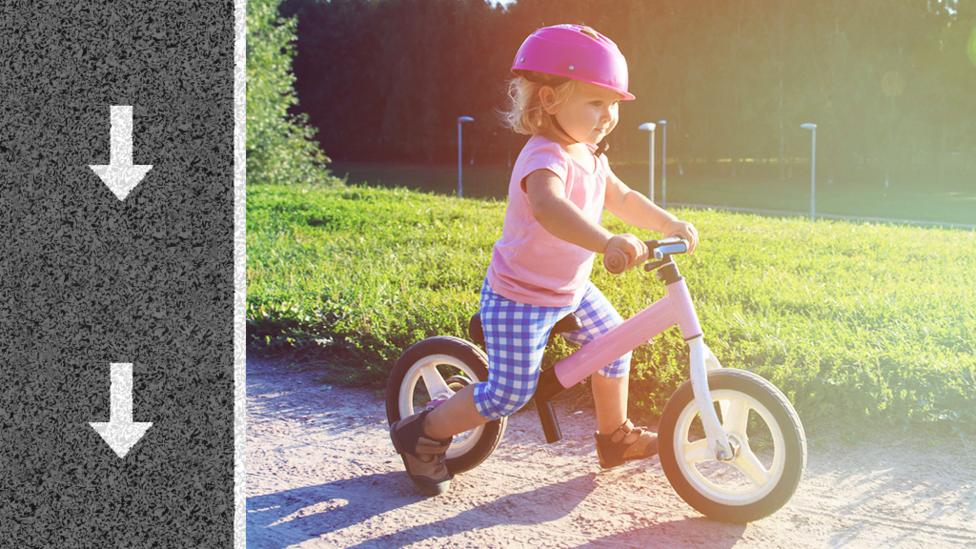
610, 384
457, 415
515, 337
610, 401
617, 440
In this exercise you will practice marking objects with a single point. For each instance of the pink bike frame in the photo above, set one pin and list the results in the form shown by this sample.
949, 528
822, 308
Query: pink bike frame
674, 308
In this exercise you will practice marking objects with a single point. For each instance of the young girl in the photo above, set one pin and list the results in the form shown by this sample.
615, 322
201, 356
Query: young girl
569, 81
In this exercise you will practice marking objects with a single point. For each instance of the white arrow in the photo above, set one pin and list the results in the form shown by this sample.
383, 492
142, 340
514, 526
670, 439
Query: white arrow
120, 432
120, 174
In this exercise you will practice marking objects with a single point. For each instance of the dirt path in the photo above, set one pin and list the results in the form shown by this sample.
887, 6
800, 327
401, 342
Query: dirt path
321, 472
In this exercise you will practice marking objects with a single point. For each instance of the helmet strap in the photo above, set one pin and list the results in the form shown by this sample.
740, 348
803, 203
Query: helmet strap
601, 147
559, 127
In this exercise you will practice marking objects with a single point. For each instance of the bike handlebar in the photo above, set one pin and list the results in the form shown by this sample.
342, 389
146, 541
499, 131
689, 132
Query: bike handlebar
616, 261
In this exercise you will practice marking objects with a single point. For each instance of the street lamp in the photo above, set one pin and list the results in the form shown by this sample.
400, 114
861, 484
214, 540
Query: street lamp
813, 167
461, 120
664, 163
649, 128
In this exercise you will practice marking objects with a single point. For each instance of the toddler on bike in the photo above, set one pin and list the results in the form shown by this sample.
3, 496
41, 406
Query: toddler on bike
569, 80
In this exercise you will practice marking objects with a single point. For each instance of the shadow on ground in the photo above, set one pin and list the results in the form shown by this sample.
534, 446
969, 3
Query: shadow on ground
322, 509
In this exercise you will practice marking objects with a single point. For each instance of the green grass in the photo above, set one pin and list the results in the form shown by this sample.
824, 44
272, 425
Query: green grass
756, 187
855, 322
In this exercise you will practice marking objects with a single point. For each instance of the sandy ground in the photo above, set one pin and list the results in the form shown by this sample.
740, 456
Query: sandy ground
321, 472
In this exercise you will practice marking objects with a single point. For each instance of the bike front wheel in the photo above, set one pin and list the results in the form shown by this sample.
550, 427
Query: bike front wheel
768, 443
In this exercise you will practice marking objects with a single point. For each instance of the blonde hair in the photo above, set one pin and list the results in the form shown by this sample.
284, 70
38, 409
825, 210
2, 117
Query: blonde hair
525, 114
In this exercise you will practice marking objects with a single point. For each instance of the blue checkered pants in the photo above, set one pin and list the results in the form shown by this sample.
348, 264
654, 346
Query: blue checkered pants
516, 336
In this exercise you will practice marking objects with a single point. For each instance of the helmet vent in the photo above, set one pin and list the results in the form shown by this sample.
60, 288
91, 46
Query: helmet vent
589, 32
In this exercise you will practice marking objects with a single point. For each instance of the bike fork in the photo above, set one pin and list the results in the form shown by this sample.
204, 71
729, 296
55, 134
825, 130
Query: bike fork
702, 359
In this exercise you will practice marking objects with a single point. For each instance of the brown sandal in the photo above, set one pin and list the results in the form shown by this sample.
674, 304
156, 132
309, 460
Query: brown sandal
423, 457
624, 444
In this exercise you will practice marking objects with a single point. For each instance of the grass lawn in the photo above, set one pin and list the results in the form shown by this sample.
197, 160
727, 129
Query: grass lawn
856, 322
753, 188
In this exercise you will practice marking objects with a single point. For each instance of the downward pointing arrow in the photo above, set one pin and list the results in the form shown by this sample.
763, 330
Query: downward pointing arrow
120, 174
120, 432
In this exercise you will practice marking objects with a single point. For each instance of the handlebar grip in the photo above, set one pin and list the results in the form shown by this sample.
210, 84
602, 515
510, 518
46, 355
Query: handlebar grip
615, 262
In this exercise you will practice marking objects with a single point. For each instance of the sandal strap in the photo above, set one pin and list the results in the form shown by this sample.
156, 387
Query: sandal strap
625, 443
635, 440
427, 449
644, 445
620, 434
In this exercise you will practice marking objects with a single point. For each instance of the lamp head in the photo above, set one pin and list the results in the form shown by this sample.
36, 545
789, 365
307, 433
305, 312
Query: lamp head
647, 127
463, 119
808, 126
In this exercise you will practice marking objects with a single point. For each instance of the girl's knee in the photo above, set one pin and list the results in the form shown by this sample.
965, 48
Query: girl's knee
617, 368
495, 401
613, 374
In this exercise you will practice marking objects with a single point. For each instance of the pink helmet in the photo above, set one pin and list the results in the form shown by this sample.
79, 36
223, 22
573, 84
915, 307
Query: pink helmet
577, 52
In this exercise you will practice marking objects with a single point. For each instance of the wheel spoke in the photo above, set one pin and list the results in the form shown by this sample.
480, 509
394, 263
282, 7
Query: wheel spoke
735, 416
696, 451
749, 464
436, 387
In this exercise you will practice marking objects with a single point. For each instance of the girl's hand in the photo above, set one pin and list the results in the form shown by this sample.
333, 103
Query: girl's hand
627, 246
684, 230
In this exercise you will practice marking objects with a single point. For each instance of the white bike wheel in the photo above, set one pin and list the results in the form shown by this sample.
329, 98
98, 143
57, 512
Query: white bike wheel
434, 369
425, 384
770, 448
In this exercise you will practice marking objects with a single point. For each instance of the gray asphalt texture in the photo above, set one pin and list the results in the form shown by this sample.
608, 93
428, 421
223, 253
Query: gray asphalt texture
87, 280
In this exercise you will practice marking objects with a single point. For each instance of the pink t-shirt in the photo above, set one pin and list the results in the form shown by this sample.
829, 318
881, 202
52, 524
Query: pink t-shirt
529, 264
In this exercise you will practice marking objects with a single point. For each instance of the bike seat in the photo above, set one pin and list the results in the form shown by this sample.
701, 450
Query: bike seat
566, 324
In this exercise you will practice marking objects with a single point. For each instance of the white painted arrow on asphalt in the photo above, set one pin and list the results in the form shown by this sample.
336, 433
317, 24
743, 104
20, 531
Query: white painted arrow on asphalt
120, 174
120, 432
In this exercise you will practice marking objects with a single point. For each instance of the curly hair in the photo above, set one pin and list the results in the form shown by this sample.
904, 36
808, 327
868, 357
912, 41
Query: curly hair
525, 114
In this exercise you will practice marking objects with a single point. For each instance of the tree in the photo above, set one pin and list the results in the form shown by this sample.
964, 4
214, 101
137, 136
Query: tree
384, 80
280, 145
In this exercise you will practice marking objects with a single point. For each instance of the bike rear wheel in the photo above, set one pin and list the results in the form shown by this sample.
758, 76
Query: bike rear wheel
430, 372
767, 439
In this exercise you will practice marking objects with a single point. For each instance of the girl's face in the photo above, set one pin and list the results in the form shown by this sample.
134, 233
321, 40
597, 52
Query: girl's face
589, 114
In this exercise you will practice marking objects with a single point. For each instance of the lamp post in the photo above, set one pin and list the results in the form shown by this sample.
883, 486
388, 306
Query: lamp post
813, 167
461, 120
664, 163
649, 128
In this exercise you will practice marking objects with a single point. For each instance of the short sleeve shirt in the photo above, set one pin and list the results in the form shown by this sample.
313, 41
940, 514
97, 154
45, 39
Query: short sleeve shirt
528, 263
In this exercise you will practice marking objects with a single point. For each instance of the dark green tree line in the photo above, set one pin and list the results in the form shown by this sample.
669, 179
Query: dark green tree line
889, 84
280, 145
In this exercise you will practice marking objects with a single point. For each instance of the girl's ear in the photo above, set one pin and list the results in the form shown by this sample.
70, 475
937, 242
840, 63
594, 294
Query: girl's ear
547, 96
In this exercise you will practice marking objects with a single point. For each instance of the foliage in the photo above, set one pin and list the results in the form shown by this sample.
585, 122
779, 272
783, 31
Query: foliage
889, 83
856, 322
280, 146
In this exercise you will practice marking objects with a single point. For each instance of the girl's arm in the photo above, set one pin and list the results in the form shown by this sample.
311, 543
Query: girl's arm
564, 220
559, 216
635, 209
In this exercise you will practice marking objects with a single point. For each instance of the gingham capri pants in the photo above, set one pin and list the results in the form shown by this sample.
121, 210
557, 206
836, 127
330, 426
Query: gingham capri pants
515, 338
